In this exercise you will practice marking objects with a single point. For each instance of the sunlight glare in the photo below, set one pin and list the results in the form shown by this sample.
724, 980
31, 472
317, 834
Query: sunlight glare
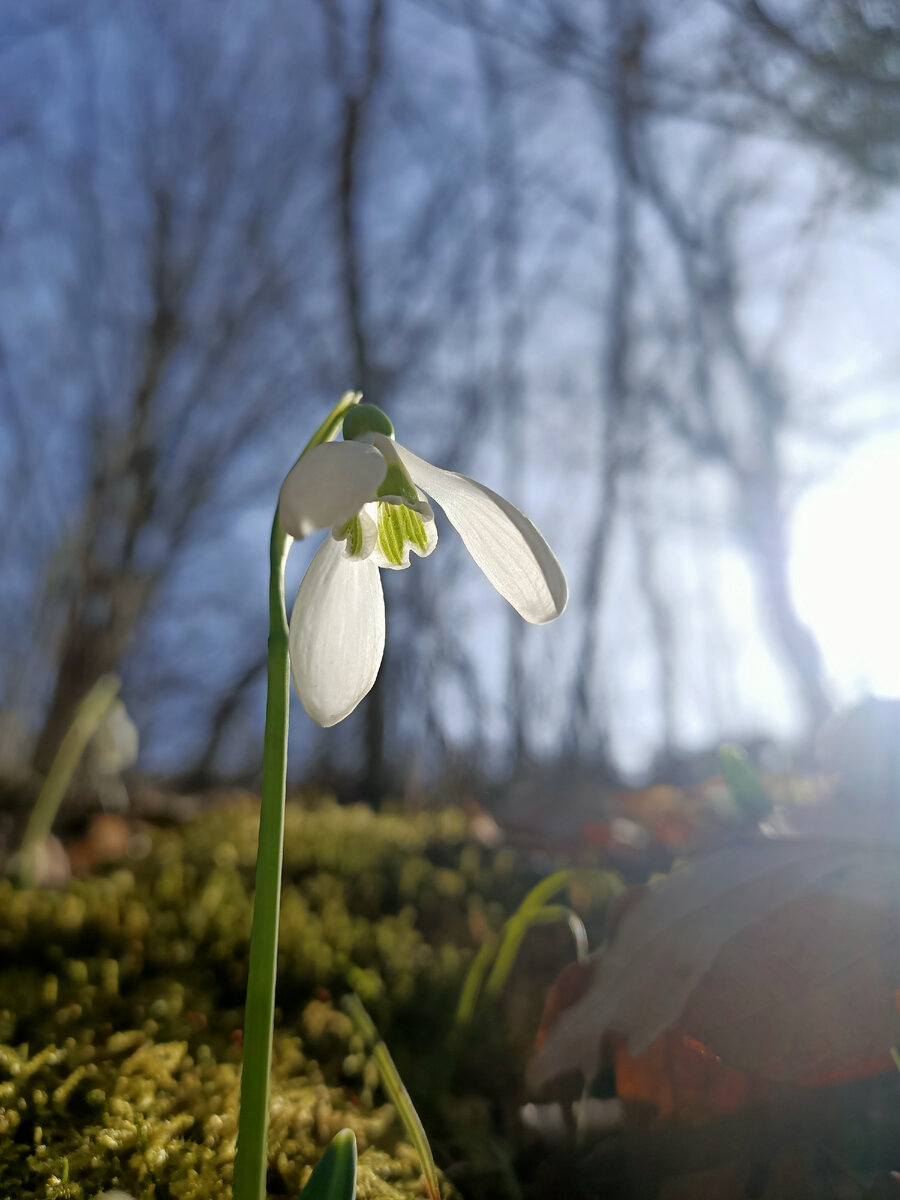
845, 570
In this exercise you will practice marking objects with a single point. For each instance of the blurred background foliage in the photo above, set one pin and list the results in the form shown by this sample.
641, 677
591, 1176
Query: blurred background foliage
633, 264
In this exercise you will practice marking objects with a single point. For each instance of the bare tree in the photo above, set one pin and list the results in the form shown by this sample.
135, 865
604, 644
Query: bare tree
627, 34
830, 71
182, 297
226, 225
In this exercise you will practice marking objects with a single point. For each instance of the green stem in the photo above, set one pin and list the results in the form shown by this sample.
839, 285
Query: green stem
514, 933
500, 949
88, 717
471, 988
259, 1014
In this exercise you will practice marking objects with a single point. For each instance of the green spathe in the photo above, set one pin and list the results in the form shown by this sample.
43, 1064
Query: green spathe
364, 419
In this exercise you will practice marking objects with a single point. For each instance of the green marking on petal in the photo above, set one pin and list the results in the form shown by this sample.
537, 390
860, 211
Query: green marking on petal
397, 483
399, 526
352, 533
415, 530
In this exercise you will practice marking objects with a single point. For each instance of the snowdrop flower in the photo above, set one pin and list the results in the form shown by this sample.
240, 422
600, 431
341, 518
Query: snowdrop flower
373, 495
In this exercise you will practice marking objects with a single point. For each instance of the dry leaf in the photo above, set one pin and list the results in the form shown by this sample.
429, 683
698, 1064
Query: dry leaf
781, 953
677, 1075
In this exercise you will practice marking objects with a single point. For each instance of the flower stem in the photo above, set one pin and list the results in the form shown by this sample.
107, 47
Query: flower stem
259, 1014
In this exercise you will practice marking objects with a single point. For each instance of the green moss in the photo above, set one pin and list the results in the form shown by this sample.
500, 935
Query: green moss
122, 1002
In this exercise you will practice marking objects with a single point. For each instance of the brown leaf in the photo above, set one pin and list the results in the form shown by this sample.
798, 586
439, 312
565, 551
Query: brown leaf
807, 991
781, 953
679, 1075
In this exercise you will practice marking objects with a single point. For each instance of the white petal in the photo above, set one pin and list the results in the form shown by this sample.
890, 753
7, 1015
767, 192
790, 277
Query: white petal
503, 542
328, 485
337, 633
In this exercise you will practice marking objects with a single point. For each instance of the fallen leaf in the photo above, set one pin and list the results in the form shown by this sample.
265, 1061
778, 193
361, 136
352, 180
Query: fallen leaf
678, 1075
567, 989
780, 952
808, 990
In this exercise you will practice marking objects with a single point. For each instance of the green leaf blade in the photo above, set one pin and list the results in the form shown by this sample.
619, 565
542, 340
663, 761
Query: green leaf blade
334, 1175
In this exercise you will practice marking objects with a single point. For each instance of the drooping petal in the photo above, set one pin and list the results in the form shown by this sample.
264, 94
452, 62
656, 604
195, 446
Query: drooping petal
337, 633
328, 485
503, 542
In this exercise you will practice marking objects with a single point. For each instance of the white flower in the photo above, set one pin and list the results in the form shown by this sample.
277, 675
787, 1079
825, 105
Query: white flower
373, 494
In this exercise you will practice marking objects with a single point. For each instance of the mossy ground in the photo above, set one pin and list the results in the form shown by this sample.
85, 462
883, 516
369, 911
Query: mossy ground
121, 1006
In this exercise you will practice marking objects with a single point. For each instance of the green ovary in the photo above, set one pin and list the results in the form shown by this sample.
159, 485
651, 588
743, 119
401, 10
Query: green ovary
397, 527
397, 483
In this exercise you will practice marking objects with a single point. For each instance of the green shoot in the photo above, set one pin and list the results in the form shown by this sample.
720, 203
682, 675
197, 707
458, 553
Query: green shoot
334, 1175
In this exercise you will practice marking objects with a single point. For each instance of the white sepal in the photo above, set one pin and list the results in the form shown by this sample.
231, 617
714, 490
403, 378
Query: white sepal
337, 633
503, 542
328, 485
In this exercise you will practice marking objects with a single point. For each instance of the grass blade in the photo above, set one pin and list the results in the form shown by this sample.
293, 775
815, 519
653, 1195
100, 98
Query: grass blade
393, 1085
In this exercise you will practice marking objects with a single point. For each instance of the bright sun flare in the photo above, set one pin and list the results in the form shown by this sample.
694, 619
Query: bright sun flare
845, 570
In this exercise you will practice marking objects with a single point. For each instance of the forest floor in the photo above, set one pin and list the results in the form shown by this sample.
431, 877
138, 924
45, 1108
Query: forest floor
121, 992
